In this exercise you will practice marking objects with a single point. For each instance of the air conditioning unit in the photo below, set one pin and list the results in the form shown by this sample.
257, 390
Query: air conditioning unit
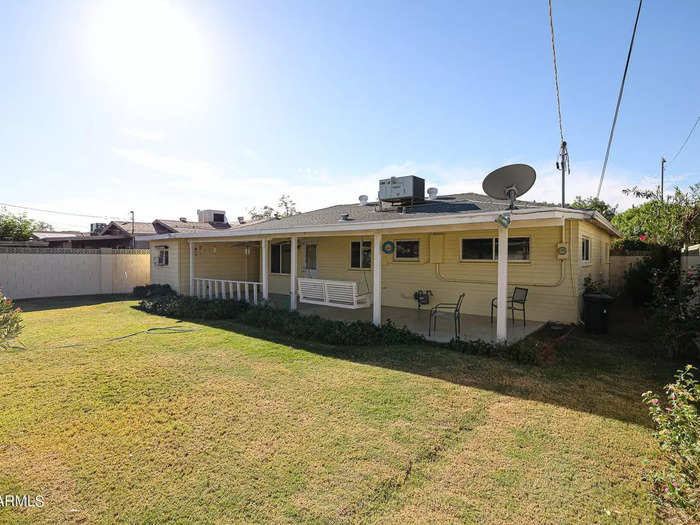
216, 216
97, 227
402, 189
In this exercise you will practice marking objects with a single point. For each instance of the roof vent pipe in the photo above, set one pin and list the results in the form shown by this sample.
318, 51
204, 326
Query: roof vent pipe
363, 200
241, 220
344, 217
432, 193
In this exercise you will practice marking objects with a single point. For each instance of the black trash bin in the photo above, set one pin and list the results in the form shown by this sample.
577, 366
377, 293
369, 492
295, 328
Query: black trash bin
595, 312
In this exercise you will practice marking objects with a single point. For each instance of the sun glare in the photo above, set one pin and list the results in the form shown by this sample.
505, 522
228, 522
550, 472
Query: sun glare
149, 51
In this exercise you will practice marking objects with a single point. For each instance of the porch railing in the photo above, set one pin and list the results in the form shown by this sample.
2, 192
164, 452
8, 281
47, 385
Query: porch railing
222, 289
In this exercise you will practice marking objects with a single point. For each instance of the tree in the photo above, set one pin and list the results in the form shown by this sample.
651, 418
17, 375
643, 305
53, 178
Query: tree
15, 227
594, 203
286, 207
672, 221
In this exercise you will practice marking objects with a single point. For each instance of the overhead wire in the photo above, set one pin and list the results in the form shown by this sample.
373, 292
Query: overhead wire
619, 100
556, 72
685, 141
63, 212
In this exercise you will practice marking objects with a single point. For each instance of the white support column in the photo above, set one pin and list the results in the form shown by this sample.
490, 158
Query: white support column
501, 311
293, 276
265, 267
377, 279
192, 268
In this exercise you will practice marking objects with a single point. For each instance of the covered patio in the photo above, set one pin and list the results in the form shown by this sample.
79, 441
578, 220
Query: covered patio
473, 327
336, 300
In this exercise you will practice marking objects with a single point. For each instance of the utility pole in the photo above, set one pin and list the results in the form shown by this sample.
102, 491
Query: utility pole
663, 161
563, 165
133, 240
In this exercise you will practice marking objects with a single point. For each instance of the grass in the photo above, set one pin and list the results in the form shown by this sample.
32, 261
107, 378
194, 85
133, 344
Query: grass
229, 424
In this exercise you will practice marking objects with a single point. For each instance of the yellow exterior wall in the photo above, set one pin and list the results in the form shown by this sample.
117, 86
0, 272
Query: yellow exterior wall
598, 269
554, 286
166, 274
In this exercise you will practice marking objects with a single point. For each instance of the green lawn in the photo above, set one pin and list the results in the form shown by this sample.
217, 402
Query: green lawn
229, 424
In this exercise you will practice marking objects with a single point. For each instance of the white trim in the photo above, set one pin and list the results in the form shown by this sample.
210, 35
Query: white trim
585, 262
293, 274
473, 217
376, 279
502, 287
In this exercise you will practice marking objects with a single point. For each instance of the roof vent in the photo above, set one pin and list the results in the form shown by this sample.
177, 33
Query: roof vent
344, 217
432, 193
183, 219
363, 200
241, 220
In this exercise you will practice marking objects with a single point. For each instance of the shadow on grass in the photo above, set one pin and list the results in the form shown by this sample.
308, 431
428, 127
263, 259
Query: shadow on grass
52, 303
600, 375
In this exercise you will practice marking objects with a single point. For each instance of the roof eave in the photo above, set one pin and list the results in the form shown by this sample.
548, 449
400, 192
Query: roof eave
530, 214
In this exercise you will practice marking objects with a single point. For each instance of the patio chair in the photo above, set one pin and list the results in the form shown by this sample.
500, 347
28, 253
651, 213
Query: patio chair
516, 302
449, 311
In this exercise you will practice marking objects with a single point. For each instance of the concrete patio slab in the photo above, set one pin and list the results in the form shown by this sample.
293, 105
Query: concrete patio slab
473, 326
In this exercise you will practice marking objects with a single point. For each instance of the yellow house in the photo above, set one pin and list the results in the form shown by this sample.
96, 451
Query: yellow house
368, 260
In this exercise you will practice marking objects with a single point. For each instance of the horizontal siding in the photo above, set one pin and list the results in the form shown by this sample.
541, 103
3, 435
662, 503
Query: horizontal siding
166, 274
554, 287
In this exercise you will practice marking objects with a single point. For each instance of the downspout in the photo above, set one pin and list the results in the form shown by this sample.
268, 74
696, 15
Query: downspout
562, 273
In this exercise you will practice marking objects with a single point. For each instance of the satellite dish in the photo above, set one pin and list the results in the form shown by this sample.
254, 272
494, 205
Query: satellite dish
509, 182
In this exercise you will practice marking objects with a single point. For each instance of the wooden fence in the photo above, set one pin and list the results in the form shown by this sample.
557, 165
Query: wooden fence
40, 272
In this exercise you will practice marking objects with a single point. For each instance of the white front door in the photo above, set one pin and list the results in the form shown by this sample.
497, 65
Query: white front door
311, 260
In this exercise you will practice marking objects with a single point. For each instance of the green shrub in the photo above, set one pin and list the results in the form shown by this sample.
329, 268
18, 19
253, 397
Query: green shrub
152, 290
675, 310
10, 321
639, 275
677, 430
293, 324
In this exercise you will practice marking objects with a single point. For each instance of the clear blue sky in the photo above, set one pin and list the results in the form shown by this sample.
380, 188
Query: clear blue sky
166, 107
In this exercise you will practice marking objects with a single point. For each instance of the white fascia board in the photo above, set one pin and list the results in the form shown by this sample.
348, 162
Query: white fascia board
488, 216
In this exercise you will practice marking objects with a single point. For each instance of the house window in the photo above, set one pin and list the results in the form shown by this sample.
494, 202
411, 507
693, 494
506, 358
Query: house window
280, 258
518, 249
477, 249
407, 250
219, 217
487, 249
360, 254
310, 259
163, 256
585, 250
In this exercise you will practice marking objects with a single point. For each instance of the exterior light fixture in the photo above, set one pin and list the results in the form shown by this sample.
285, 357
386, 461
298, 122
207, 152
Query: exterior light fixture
503, 219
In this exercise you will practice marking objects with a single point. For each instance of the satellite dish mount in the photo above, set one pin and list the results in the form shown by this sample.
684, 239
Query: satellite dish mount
509, 182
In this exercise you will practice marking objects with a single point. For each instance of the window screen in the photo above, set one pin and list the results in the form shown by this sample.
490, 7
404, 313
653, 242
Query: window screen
360, 254
475, 249
518, 249
407, 249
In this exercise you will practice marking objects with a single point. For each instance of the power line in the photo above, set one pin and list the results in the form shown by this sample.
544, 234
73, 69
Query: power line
619, 99
556, 73
685, 141
563, 163
63, 212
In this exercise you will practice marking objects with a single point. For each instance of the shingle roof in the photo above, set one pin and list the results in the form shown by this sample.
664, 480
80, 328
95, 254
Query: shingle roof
140, 228
444, 205
177, 226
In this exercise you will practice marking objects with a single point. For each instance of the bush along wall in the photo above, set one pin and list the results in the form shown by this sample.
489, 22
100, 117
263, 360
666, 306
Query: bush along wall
293, 324
315, 328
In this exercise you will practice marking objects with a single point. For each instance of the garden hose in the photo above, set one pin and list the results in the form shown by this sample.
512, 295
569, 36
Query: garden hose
165, 330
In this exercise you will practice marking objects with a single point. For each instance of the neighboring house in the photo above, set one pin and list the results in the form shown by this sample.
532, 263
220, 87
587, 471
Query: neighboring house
116, 235
447, 244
